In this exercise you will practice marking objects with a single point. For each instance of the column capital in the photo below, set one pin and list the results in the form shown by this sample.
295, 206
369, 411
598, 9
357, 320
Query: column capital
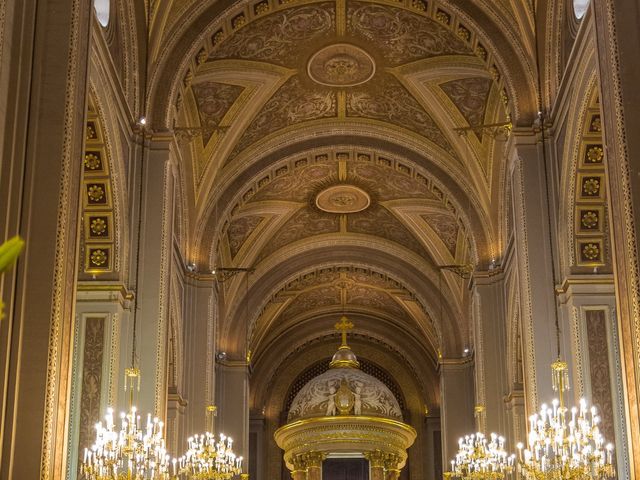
376, 458
314, 459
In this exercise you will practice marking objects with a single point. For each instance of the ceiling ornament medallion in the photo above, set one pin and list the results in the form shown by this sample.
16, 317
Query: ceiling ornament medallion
343, 199
341, 65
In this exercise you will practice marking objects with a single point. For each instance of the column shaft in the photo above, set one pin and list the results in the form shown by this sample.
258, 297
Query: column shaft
618, 42
44, 53
457, 402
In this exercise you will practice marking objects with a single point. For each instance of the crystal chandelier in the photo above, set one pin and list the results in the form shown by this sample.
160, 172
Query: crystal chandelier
565, 444
208, 458
481, 458
132, 452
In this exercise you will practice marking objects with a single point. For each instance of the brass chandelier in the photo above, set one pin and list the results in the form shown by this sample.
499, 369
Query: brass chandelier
131, 452
208, 458
565, 444
480, 457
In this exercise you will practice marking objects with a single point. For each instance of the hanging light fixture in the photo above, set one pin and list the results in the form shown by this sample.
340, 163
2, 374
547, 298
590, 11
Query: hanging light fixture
208, 458
480, 457
565, 444
562, 444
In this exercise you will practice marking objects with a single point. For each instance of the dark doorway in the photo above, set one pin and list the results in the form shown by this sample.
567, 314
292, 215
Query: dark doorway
345, 469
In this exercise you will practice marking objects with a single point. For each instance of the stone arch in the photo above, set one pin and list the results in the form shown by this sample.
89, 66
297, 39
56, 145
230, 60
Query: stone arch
104, 235
187, 39
584, 224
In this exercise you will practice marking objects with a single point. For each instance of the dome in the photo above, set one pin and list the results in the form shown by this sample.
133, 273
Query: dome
344, 390
314, 399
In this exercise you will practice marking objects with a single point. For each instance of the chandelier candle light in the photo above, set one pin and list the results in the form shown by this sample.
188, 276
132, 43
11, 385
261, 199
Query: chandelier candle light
208, 458
132, 452
565, 444
481, 458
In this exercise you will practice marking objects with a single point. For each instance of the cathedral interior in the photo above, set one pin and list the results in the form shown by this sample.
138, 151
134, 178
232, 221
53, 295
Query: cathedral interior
345, 233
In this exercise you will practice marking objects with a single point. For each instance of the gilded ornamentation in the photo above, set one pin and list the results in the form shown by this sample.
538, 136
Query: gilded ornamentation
91, 133
378, 221
589, 219
596, 124
447, 228
92, 161
98, 257
95, 193
341, 65
91, 380
239, 230
591, 186
443, 17
342, 198
599, 368
591, 251
292, 104
98, 226
595, 154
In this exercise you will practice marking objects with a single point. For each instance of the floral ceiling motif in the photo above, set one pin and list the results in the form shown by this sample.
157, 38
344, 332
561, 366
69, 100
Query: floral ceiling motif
402, 36
447, 228
239, 230
213, 100
292, 104
298, 185
278, 38
387, 100
470, 95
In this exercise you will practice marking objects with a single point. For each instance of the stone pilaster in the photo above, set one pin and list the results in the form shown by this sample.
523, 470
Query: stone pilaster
43, 88
156, 234
199, 329
618, 42
488, 313
232, 399
457, 402
533, 251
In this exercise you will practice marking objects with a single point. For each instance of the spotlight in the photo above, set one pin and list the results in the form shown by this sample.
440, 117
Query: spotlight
142, 120
221, 356
191, 267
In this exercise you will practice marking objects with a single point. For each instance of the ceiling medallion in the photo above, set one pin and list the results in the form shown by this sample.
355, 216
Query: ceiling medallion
341, 65
343, 199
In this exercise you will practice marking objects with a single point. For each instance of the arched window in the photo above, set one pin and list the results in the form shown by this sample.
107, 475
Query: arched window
580, 7
102, 11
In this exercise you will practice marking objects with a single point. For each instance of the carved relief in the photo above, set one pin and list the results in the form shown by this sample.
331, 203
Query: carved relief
91, 380
315, 398
599, 369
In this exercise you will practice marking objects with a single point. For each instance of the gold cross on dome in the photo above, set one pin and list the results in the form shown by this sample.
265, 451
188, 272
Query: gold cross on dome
344, 326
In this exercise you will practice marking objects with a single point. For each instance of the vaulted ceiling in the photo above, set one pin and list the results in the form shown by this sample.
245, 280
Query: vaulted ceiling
318, 146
